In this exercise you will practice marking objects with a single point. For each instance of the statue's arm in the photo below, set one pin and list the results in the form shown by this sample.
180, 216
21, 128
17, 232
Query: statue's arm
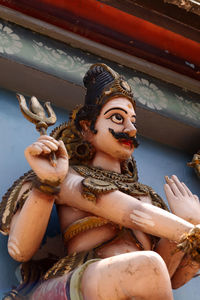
180, 266
172, 258
185, 271
124, 210
29, 223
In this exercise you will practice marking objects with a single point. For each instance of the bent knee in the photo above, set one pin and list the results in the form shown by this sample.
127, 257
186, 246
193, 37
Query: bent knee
154, 261
153, 256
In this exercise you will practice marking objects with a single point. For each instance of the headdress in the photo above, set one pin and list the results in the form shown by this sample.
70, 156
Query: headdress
103, 83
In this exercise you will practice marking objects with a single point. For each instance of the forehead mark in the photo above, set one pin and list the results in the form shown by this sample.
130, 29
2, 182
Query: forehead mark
130, 105
116, 108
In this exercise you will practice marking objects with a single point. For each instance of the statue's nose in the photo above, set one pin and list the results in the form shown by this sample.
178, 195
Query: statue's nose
130, 128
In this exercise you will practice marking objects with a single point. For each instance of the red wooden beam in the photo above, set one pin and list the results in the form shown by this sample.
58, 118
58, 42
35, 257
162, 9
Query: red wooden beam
52, 13
132, 26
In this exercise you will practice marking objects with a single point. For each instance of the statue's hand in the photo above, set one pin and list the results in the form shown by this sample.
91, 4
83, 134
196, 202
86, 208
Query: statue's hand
37, 156
181, 200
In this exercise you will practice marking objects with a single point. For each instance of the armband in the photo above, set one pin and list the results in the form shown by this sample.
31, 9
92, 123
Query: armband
190, 243
46, 187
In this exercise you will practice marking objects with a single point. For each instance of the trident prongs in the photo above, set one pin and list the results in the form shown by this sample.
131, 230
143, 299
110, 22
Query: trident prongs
36, 114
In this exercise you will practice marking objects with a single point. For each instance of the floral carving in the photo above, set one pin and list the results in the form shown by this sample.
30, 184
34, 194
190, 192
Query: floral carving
188, 108
60, 59
9, 41
148, 93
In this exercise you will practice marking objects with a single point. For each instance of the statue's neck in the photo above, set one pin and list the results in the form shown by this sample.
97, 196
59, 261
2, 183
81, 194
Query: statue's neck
106, 162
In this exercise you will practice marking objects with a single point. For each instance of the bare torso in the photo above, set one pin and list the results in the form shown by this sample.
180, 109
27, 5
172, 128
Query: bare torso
118, 243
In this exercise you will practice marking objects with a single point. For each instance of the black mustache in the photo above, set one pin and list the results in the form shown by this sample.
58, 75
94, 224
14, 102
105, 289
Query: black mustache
124, 136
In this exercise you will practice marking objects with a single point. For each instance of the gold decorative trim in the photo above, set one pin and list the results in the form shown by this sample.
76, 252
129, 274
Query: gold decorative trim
190, 243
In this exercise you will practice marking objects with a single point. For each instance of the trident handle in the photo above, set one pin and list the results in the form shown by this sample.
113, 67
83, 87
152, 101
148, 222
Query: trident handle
36, 114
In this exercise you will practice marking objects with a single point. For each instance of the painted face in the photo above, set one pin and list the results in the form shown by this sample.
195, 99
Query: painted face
116, 129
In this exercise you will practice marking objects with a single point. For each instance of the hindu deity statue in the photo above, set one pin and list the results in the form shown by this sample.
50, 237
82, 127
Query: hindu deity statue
121, 240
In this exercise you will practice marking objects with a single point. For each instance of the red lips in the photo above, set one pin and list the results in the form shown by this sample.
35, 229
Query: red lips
127, 142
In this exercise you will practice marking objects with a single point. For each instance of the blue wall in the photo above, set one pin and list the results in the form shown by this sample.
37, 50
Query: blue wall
154, 162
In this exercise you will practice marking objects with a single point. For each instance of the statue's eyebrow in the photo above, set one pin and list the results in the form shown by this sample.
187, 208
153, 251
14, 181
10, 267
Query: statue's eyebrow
114, 108
118, 108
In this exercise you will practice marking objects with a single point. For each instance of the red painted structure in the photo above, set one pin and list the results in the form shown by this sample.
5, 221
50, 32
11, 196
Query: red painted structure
132, 26
118, 29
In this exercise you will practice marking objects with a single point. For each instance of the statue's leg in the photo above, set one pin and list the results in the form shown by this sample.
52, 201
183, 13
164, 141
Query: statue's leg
54, 289
65, 287
142, 275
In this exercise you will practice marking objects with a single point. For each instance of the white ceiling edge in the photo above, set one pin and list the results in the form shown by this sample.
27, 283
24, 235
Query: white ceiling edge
117, 56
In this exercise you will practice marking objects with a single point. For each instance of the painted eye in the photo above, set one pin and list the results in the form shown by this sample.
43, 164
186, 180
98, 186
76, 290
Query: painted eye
117, 118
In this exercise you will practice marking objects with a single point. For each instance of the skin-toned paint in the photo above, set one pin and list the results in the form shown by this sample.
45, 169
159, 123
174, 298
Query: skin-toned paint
118, 115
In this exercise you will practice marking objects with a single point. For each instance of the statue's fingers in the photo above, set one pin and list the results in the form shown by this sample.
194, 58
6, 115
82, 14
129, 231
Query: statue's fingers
168, 191
196, 198
179, 185
34, 149
45, 148
187, 189
174, 188
50, 144
48, 138
62, 150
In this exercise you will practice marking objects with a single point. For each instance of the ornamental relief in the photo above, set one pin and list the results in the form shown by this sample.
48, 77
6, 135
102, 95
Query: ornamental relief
148, 93
59, 59
10, 42
188, 108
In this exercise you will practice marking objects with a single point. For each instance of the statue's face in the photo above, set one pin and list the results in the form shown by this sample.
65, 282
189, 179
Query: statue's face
115, 129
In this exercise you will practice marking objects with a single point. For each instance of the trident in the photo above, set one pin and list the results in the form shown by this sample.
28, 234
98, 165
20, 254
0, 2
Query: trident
36, 114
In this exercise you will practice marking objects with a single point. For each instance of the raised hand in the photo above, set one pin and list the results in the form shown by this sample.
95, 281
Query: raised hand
181, 200
37, 156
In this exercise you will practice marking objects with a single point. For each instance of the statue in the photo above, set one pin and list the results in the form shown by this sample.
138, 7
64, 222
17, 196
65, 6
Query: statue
121, 240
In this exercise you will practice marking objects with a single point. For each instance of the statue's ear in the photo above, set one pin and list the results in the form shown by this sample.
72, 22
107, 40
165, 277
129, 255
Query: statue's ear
85, 125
